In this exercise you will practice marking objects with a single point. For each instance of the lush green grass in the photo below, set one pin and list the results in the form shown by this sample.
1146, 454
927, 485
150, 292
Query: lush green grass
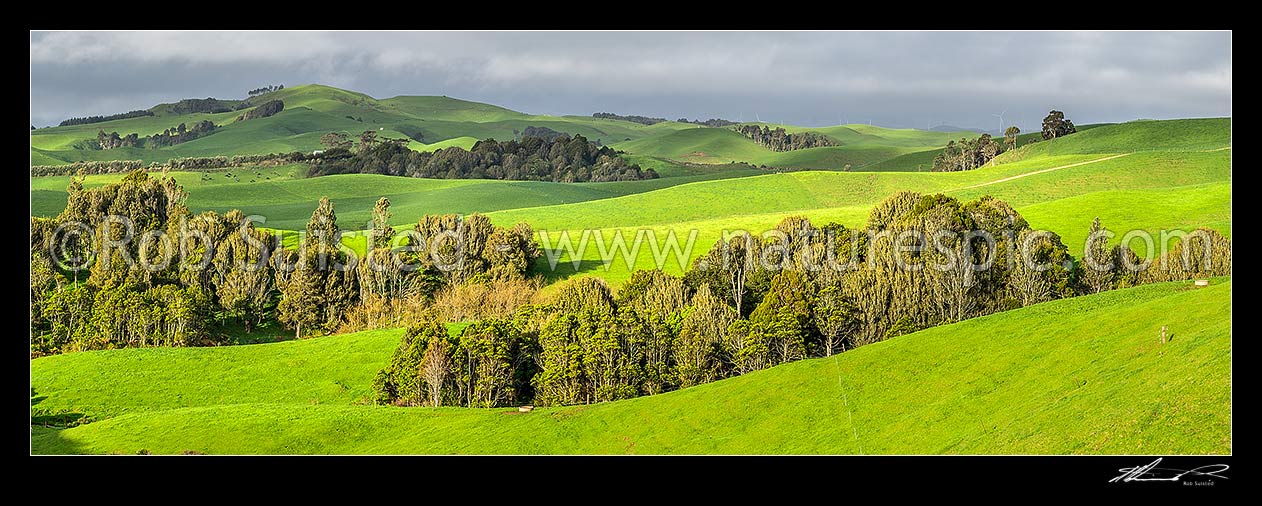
1166, 135
287, 200
1182, 208
1077, 376
862, 145
332, 369
312, 110
1179, 189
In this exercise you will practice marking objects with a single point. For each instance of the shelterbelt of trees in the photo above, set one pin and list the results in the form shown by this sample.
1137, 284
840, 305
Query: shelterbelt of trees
558, 158
101, 119
183, 163
751, 302
779, 140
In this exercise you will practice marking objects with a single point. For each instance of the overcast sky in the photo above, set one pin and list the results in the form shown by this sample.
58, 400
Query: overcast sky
895, 79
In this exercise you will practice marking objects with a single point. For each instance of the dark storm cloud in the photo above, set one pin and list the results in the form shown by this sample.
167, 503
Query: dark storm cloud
898, 79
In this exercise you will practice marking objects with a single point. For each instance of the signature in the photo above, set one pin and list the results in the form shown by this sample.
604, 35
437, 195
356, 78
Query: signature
1151, 472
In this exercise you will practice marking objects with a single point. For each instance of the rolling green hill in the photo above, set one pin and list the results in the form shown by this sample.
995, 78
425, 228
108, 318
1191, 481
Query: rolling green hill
433, 122
312, 110
1046, 379
1166, 186
1171, 190
862, 145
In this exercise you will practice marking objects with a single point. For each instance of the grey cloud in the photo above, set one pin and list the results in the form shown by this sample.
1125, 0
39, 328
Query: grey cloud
898, 79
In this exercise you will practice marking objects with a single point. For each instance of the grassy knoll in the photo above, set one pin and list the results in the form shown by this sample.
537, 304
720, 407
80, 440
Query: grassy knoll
1077, 376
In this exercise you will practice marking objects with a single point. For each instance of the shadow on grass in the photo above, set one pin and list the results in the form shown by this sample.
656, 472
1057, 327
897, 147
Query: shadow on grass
565, 269
54, 419
48, 430
268, 332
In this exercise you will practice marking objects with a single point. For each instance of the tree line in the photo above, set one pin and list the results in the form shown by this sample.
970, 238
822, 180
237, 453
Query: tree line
113, 141
749, 304
559, 159
643, 120
265, 89
182, 163
780, 140
206, 105
968, 154
712, 122
99, 119
180, 134
263, 110
127, 264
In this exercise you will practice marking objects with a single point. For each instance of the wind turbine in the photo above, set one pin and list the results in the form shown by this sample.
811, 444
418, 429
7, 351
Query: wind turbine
1000, 116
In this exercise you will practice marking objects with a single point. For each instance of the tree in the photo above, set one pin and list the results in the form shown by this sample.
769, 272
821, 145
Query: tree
870, 293
561, 378
402, 381
833, 315
435, 367
301, 293
1041, 271
584, 293
243, 279
784, 315
336, 140
498, 357
701, 337
1096, 269
382, 232
319, 280
367, 140
1010, 136
1055, 125
322, 230
653, 292
511, 251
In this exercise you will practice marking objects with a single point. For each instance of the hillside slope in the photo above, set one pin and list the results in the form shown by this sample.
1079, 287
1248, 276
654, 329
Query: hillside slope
313, 110
1075, 376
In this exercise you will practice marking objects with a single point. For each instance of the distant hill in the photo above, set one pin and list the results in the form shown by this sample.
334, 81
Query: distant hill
431, 121
953, 128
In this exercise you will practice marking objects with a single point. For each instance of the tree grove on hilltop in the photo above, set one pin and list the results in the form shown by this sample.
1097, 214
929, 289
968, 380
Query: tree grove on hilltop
1056, 125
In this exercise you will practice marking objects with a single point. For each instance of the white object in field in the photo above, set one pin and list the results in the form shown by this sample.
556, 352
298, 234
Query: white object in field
317, 152
525, 409
1202, 282
380, 128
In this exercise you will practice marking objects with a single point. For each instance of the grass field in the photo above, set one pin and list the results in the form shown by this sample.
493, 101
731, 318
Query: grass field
1171, 190
1168, 185
286, 199
1076, 376
862, 145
